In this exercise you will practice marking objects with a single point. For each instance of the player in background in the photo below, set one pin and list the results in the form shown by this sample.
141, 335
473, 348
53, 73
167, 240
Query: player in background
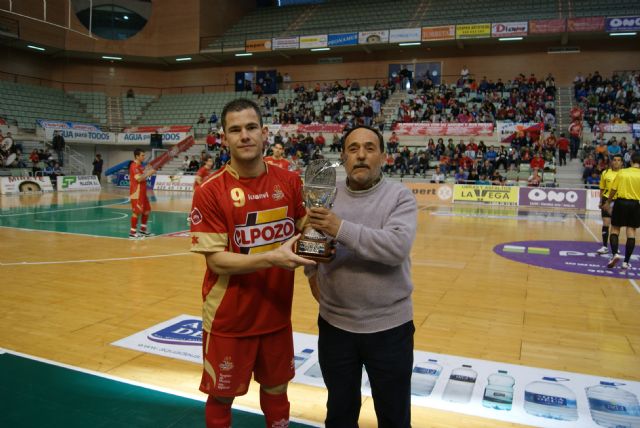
140, 206
244, 221
277, 158
606, 179
204, 172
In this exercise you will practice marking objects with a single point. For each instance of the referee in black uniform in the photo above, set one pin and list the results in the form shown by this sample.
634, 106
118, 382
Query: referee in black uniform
625, 193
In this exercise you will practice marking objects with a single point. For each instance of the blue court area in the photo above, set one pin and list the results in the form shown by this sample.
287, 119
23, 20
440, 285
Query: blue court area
39, 394
110, 218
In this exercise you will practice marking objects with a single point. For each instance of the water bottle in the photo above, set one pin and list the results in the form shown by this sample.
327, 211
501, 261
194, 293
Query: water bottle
300, 358
314, 371
550, 399
498, 393
460, 385
613, 407
424, 378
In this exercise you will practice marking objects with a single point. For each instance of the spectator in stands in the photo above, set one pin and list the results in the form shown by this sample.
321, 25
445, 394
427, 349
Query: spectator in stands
204, 172
53, 171
614, 149
130, 93
97, 167
201, 119
194, 165
464, 73
212, 141
319, 142
58, 145
563, 149
34, 158
534, 179
392, 143
575, 134
286, 79
593, 180
335, 144
185, 164
437, 176
461, 176
213, 120
537, 162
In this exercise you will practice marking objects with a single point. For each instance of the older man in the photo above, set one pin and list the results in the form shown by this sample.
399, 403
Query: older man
366, 312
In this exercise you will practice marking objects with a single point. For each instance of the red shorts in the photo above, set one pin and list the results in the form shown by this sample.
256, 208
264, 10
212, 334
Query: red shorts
229, 362
140, 206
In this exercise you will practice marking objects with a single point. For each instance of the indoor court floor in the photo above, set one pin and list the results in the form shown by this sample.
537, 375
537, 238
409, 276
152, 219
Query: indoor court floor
72, 284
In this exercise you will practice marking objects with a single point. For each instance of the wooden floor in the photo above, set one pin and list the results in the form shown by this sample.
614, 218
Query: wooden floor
468, 301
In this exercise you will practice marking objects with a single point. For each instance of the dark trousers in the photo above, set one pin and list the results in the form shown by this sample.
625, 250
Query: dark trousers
388, 359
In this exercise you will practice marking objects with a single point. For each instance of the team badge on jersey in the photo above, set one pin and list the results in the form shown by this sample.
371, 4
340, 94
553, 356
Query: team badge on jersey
264, 230
277, 193
226, 364
196, 216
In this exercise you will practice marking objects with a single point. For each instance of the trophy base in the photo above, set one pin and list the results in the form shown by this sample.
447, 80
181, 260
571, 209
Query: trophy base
319, 250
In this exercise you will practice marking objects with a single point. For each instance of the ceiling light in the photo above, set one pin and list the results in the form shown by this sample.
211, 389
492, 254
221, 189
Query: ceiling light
244, 54
320, 49
409, 44
38, 48
622, 34
187, 58
509, 39
117, 58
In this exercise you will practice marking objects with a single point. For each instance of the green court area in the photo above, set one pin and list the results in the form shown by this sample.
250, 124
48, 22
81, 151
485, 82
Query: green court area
97, 218
37, 394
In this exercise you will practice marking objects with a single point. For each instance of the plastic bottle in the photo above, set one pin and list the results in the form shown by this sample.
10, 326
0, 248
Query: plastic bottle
300, 358
498, 393
424, 378
613, 407
460, 385
551, 400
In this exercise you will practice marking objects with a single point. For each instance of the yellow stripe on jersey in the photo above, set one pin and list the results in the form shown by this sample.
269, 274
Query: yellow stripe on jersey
627, 184
210, 370
268, 216
212, 302
202, 242
606, 180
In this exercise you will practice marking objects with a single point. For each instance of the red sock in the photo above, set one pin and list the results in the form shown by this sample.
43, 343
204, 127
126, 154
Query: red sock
143, 226
217, 414
134, 224
275, 409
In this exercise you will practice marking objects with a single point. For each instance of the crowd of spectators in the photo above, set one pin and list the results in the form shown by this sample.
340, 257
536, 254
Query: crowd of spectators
471, 162
597, 154
614, 99
524, 99
341, 102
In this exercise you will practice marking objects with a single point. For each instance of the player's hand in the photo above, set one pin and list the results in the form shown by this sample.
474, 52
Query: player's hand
324, 220
285, 258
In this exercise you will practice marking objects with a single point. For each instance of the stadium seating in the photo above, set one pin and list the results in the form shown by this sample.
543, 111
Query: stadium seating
94, 103
24, 104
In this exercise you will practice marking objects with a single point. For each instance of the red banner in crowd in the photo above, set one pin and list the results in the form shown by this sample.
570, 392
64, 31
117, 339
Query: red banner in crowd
591, 23
438, 129
158, 129
519, 129
296, 128
545, 26
2, 121
183, 145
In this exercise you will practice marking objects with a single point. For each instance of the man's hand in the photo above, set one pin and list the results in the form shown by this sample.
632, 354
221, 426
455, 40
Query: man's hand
324, 220
285, 258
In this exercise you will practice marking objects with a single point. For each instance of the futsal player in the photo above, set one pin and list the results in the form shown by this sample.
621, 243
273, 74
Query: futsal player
140, 207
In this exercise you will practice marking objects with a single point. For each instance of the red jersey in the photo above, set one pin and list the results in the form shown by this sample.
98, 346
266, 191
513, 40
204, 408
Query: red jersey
246, 216
137, 190
563, 144
203, 172
537, 163
282, 162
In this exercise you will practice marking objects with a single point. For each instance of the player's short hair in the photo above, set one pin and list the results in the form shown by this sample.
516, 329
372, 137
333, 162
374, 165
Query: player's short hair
374, 130
207, 157
635, 158
237, 105
137, 152
617, 156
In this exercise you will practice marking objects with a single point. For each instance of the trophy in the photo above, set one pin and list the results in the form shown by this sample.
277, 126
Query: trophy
319, 190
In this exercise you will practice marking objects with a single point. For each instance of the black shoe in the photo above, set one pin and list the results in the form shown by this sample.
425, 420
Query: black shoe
145, 234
